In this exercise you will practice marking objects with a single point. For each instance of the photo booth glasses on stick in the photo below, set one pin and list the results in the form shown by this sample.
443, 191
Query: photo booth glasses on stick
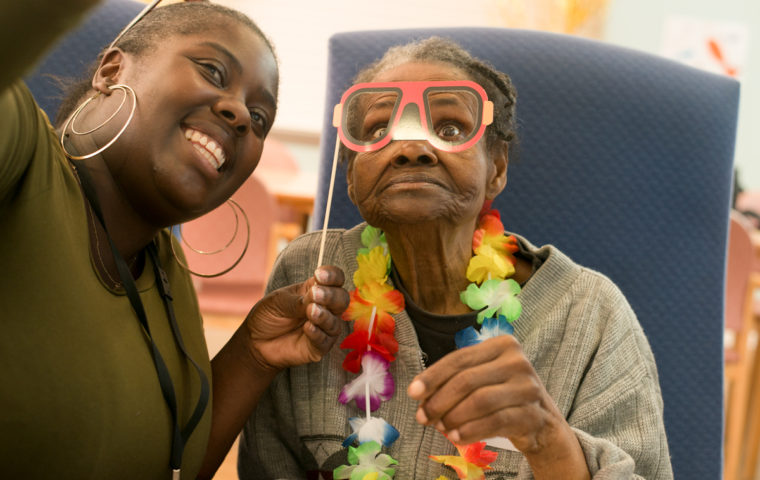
452, 116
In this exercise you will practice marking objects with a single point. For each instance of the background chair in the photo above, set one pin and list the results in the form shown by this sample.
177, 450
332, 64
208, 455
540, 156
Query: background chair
748, 203
73, 55
235, 292
278, 167
741, 344
749, 461
625, 164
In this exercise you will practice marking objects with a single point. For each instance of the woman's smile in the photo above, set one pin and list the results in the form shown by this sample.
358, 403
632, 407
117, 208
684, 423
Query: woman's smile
211, 150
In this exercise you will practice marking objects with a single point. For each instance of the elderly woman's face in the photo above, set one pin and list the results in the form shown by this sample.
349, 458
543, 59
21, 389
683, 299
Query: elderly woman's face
410, 181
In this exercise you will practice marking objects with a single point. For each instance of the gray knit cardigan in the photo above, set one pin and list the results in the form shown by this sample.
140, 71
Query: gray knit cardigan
577, 330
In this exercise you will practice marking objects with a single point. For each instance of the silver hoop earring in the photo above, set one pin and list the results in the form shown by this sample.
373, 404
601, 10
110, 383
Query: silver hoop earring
234, 233
234, 205
70, 121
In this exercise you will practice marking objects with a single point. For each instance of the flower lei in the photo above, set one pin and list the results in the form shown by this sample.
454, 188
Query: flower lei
373, 346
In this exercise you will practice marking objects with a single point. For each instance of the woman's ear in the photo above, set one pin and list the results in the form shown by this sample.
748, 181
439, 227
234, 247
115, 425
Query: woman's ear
109, 70
497, 175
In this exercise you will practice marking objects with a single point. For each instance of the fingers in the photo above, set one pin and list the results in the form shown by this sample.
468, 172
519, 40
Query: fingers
493, 425
329, 291
476, 383
329, 275
326, 300
497, 401
322, 321
466, 395
447, 368
324, 288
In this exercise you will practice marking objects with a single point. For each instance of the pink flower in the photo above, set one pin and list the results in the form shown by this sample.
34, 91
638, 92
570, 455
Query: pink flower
374, 380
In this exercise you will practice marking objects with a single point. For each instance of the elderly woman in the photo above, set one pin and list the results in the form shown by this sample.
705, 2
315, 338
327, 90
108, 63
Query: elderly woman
572, 393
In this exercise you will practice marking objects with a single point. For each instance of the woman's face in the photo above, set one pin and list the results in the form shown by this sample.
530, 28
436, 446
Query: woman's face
410, 181
205, 103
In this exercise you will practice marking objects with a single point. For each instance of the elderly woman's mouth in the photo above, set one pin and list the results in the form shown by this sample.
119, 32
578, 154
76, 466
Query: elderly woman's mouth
413, 181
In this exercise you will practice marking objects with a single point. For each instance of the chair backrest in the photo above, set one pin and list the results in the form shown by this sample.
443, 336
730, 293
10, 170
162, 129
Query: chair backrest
748, 203
74, 54
238, 290
625, 164
739, 267
277, 158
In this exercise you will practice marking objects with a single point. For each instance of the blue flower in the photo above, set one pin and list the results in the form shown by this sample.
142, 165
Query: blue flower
492, 327
373, 430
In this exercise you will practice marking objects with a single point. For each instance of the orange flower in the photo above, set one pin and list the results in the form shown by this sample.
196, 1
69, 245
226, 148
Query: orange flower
472, 461
488, 237
386, 302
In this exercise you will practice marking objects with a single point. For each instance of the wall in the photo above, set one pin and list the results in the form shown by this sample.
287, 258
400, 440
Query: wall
300, 29
639, 24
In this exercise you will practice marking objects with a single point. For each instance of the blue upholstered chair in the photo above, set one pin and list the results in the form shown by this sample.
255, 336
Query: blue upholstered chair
625, 164
74, 54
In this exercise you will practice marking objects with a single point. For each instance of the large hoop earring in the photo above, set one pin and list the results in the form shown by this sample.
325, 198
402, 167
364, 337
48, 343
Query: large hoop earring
235, 208
232, 239
70, 121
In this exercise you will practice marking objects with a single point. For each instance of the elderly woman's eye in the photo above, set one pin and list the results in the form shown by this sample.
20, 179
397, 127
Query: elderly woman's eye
377, 132
449, 131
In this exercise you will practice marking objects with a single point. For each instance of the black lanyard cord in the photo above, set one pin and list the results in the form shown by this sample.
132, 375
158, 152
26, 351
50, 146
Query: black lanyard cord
165, 291
180, 435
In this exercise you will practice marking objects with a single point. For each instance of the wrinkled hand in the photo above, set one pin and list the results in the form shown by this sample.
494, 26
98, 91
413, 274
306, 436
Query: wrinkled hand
300, 323
488, 390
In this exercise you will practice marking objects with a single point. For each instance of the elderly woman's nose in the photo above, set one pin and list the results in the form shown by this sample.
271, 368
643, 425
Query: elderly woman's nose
414, 152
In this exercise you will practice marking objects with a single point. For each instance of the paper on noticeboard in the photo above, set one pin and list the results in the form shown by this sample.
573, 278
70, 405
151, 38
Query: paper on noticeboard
718, 47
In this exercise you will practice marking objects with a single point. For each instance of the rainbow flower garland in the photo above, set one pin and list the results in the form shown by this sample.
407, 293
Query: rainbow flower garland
373, 345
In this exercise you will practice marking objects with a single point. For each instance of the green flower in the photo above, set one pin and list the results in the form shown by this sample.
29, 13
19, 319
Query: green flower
365, 460
373, 237
494, 297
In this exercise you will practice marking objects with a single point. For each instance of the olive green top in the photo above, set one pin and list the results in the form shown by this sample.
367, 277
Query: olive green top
79, 394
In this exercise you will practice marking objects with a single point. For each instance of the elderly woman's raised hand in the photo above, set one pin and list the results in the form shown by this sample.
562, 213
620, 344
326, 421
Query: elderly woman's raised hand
491, 390
300, 323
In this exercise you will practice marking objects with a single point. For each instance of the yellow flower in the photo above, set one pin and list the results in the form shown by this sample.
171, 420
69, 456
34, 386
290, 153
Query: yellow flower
375, 293
488, 261
373, 268
498, 242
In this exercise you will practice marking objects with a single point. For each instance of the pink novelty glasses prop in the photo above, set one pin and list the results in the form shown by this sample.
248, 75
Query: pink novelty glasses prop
452, 116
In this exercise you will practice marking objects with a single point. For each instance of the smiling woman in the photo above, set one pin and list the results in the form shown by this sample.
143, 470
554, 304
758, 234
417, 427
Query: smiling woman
108, 376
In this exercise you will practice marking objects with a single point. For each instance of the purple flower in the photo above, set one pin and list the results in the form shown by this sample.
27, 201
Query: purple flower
375, 381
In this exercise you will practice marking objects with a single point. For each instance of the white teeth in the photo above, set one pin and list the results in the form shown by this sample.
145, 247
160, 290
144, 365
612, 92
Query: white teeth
206, 147
211, 159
